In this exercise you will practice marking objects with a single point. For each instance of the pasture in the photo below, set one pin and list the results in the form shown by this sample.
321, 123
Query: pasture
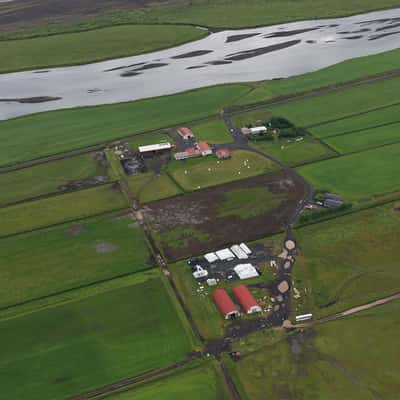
212, 132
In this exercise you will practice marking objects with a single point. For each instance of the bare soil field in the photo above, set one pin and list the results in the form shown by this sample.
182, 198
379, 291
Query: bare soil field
195, 223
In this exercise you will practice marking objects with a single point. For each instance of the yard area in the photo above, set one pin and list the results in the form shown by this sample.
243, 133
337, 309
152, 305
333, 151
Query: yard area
214, 132
61, 208
53, 260
208, 171
351, 358
78, 346
359, 176
347, 261
46, 178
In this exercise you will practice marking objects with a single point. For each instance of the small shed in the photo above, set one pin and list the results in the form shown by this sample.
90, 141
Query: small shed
223, 154
246, 299
225, 304
185, 133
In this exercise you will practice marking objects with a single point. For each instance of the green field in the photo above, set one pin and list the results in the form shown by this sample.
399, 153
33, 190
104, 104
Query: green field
212, 132
352, 358
362, 140
151, 138
90, 46
46, 178
78, 346
57, 209
52, 260
147, 187
347, 261
208, 171
357, 176
197, 381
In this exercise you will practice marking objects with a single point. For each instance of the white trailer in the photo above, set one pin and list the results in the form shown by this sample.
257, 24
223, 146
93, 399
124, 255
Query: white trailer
304, 317
239, 252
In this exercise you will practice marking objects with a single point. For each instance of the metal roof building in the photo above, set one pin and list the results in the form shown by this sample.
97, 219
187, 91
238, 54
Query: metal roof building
225, 304
225, 254
246, 299
185, 133
239, 252
155, 147
245, 271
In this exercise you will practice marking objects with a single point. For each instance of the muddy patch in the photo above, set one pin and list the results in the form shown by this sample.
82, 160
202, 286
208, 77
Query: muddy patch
191, 54
290, 33
196, 67
375, 37
30, 100
74, 230
105, 247
237, 38
219, 62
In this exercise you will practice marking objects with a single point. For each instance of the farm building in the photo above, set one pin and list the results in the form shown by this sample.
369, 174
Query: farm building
246, 299
225, 254
155, 148
246, 271
204, 148
185, 133
225, 304
188, 153
223, 154
211, 257
238, 252
245, 248
258, 129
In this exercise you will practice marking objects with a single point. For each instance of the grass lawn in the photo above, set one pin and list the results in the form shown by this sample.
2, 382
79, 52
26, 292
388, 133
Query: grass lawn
90, 46
351, 358
78, 346
362, 140
147, 187
253, 117
208, 171
151, 138
46, 178
212, 132
294, 153
66, 207
57, 131
197, 381
357, 176
52, 260
347, 261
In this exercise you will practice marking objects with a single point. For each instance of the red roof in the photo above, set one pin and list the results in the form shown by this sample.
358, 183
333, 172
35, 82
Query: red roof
185, 131
224, 302
223, 153
203, 146
192, 152
244, 297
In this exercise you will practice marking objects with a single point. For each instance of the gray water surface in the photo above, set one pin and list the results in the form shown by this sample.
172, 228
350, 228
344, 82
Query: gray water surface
225, 57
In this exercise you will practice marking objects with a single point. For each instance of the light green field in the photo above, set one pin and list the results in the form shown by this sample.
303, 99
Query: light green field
212, 132
78, 346
57, 209
349, 260
64, 257
357, 176
354, 123
147, 187
58, 131
362, 140
208, 171
90, 46
352, 358
197, 381
46, 178
151, 138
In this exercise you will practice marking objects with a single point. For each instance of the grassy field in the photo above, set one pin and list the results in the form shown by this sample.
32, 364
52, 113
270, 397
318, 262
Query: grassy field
347, 261
57, 209
366, 139
46, 178
90, 46
58, 131
199, 380
205, 172
82, 345
351, 358
357, 176
212, 132
52, 260
147, 187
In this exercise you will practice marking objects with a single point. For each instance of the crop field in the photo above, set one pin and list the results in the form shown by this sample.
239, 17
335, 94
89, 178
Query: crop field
351, 358
358, 176
198, 173
147, 187
197, 381
47, 178
93, 45
78, 346
61, 208
212, 132
191, 224
347, 261
53, 260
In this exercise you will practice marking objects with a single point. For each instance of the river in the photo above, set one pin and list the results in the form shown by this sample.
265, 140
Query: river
256, 54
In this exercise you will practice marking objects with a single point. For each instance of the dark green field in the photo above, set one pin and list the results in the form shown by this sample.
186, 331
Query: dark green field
71, 348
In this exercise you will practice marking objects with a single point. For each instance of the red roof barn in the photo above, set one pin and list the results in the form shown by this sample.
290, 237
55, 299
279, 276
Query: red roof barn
185, 133
246, 299
225, 304
222, 154
204, 148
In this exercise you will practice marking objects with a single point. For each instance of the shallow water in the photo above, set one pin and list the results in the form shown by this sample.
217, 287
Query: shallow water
225, 57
